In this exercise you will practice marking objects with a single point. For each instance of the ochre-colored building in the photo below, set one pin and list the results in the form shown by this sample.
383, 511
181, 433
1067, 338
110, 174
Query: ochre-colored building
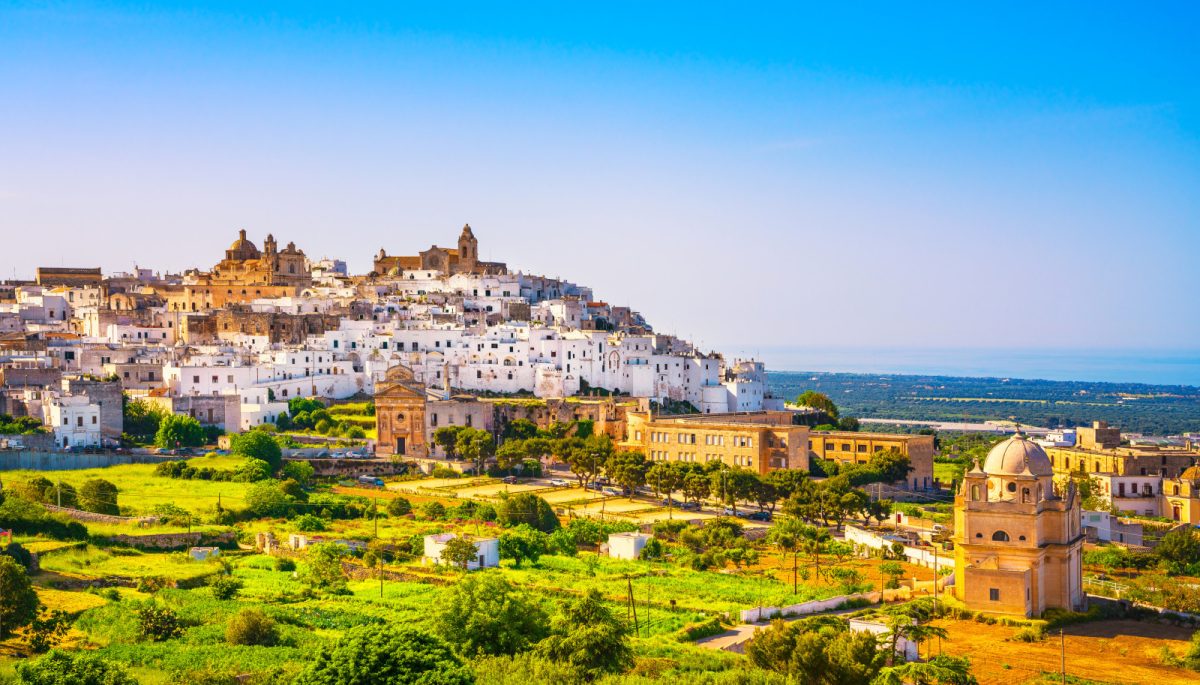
1018, 541
856, 448
245, 274
400, 405
1122, 461
759, 441
449, 261
1181, 497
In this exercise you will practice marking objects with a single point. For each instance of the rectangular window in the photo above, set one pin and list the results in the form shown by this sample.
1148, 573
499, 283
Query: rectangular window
994, 594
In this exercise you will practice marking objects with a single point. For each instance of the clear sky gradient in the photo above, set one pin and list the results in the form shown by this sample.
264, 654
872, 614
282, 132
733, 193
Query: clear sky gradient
902, 174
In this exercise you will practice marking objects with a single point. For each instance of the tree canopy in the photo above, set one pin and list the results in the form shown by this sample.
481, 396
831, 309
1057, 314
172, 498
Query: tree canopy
179, 430
259, 445
484, 614
18, 600
386, 655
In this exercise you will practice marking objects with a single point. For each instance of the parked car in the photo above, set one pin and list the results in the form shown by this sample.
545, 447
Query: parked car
759, 516
612, 491
323, 454
559, 482
668, 502
728, 511
690, 506
509, 479
595, 486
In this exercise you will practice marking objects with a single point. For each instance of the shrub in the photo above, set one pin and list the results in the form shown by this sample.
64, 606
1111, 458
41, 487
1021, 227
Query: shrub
178, 430
251, 626
444, 472
356, 433
307, 523
485, 614
434, 511
386, 654
252, 470
78, 668
300, 471
702, 629
99, 496
529, 509
157, 623
259, 445
399, 507
265, 499
225, 587
284, 564
1035, 633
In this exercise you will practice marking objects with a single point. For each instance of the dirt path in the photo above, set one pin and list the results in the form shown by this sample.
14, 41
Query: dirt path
1117, 652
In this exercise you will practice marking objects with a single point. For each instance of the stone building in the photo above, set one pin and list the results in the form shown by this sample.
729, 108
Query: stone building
1018, 540
70, 277
400, 415
759, 441
237, 320
448, 261
850, 447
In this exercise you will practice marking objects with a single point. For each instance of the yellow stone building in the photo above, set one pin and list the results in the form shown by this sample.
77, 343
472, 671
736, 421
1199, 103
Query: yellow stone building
856, 448
1181, 497
1018, 542
449, 261
759, 441
400, 408
245, 274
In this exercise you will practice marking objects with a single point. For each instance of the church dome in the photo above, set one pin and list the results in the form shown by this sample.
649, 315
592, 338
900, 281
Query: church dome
1016, 454
1190, 473
242, 247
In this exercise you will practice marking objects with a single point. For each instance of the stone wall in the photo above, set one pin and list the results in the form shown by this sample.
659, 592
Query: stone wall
226, 540
39, 460
93, 517
354, 467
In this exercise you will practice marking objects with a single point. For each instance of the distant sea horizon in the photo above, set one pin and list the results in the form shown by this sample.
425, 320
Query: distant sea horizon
1151, 366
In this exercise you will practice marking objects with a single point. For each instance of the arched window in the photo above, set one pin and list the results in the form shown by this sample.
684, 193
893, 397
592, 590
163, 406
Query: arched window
400, 417
975, 492
999, 536
1039, 492
1025, 494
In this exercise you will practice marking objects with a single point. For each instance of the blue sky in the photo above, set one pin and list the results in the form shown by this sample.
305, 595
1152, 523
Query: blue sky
774, 176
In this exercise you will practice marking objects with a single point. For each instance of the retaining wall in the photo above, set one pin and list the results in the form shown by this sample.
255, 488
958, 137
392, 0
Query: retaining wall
44, 460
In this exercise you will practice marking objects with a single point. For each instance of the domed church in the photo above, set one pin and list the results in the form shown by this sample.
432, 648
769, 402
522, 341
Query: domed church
1018, 541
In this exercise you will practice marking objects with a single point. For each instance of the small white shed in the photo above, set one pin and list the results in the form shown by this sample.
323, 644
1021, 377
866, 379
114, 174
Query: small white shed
627, 545
487, 550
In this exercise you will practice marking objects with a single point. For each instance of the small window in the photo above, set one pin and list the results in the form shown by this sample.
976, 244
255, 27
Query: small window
1000, 536
1012, 487
994, 594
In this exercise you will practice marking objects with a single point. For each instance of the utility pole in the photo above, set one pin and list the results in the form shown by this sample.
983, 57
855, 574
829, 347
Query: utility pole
648, 604
375, 511
1062, 665
633, 605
